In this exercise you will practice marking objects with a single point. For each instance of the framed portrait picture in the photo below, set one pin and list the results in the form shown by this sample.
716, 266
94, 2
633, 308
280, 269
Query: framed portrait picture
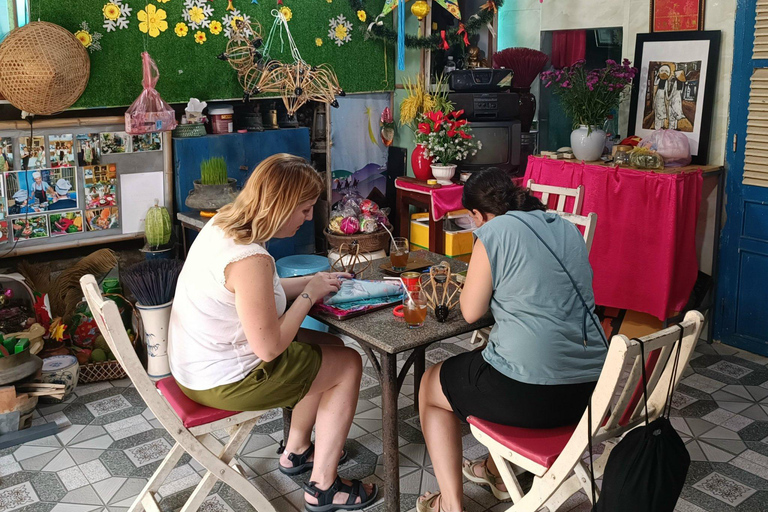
675, 87
677, 15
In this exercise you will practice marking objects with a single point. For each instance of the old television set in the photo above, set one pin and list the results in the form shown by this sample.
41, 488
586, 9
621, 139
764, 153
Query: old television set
495, 123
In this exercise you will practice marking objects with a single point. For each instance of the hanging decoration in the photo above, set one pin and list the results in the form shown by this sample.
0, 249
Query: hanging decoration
91, 40
340, 31
452, 6
197, 14
230, 21
370, 128
378, 29
116, 15
387, 127
420, 9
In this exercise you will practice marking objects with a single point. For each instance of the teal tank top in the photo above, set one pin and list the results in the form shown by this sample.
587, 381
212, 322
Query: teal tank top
539, 333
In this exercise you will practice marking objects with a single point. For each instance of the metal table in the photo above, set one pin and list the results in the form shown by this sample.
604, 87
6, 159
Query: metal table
383, 338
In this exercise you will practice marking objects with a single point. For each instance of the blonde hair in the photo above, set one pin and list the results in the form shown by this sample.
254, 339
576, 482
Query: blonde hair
276, 187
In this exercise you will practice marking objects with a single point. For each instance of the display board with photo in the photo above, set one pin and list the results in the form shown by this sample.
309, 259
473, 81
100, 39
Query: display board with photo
100, 186
3, 221
61, 150
30, 228
32, 153
88, 149
27, 192
114, 142
67, 223
147, 142
101, 219
6, 154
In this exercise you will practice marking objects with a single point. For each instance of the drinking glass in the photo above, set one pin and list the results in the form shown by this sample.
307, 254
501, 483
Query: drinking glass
398, 254
414, 309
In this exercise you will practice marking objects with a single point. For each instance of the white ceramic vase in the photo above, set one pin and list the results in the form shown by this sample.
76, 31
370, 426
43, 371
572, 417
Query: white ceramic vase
443, 173
587, 144
156, 320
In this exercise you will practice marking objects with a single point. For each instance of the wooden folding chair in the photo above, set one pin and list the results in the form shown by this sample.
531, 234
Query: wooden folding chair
589, 223
190, 423
563, 194
554, 456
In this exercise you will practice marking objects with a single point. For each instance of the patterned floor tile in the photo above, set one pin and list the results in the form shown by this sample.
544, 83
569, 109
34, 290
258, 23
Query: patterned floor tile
725, 489
108, 405
16, 497
149, 452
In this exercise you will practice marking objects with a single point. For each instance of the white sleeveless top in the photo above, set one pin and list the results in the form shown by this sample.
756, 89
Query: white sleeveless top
207, 346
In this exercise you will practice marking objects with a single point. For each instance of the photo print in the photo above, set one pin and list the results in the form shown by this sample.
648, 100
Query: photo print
114, 142
88, 149
147, 142
32, 153
27, 192
62, 194
100, 182
61, 150
104, 218
6, 154
30, 228
673, 89
65, 223
3, 221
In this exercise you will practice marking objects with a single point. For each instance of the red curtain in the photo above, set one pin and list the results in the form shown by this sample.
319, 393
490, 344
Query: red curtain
568, 46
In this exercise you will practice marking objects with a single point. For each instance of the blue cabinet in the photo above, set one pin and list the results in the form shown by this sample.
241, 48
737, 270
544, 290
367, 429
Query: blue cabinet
242, 152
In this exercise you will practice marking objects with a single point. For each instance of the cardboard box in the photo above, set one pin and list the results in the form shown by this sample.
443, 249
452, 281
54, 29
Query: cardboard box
458, 242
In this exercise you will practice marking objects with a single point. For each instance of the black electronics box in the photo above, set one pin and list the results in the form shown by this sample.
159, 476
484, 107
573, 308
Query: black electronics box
480, 80
503, 106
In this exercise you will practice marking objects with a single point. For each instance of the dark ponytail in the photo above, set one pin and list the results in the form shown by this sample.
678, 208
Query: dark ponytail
492, 191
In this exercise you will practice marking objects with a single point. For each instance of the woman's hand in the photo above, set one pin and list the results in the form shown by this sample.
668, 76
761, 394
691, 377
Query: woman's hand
324, 283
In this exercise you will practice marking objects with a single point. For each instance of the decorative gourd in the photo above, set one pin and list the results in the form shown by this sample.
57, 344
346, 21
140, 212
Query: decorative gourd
157, 226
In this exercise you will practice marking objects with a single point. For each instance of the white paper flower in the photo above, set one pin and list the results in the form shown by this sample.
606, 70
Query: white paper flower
121, 20
197, 13
228, 21
340, 31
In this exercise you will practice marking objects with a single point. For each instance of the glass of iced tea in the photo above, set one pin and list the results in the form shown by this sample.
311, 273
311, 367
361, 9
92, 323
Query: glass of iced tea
414, 309
398, 254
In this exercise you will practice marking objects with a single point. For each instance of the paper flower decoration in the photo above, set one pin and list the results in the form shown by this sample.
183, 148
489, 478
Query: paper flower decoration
181, 29
286, 12
163, 1
116, 15
229, 22
341, 30
318, 41
361, 15
197, 13
152, 20
88, 39
200, 37
215, 27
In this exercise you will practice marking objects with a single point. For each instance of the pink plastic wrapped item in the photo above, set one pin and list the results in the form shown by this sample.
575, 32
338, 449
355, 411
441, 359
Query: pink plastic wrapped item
149, 113
672, 145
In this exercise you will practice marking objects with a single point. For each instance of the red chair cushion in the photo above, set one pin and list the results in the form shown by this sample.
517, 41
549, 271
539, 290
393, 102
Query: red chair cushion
541, 446
192, 414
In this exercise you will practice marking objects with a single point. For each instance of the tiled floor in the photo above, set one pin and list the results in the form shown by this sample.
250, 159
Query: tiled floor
114, 445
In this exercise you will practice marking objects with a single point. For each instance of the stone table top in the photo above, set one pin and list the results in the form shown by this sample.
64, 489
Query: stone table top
381, 330
193, 219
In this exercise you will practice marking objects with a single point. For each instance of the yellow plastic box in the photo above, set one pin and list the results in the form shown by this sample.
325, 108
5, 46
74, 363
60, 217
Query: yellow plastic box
457, 243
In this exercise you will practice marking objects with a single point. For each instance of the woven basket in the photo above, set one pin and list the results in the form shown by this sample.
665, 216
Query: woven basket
97, 372
184, 131
369, 242
43, 68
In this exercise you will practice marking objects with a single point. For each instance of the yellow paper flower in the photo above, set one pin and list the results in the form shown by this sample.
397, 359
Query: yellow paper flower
330, 1
318, 41
163, 1
341, 32
196, 15
84, 37
361, 15
234, 21
215, 27
152, 20
287, 13
200, 37
181, 29
111, 11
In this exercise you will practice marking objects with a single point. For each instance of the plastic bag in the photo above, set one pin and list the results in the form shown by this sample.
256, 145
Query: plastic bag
672, 145
149, 113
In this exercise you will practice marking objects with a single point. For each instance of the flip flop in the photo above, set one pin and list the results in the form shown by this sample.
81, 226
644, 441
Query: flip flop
489, 479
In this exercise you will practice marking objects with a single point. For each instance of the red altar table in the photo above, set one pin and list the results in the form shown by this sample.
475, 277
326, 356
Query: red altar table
644, 250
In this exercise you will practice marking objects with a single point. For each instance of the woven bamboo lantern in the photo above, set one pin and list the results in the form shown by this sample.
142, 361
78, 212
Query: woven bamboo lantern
43, 68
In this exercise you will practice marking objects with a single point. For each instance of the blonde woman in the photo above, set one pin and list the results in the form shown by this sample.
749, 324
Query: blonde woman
234, 345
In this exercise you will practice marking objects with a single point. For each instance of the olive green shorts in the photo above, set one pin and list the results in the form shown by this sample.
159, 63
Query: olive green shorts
281, 382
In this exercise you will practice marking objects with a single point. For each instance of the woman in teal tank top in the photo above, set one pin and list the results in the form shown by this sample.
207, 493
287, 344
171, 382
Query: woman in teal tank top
545, 352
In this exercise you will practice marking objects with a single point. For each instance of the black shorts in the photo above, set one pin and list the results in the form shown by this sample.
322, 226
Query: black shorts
475, 388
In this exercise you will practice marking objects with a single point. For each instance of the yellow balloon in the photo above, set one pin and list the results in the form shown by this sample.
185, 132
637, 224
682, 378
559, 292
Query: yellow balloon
420, 8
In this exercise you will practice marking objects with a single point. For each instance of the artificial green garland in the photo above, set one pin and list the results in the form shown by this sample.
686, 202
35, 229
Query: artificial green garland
433, 42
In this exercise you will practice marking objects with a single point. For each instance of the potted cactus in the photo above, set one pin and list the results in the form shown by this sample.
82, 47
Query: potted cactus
213, 190
157, 233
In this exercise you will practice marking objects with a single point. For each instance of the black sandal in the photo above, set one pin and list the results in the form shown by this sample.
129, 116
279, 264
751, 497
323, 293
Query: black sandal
325, 498
299, 461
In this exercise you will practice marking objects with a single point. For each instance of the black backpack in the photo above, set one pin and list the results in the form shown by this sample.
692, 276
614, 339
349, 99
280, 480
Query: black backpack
646, 470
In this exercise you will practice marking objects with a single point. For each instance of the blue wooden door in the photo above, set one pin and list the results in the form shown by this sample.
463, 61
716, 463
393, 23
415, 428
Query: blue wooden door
742, 304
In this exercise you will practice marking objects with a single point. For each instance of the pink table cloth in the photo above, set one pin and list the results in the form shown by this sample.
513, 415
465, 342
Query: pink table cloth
444, 199
644, 250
